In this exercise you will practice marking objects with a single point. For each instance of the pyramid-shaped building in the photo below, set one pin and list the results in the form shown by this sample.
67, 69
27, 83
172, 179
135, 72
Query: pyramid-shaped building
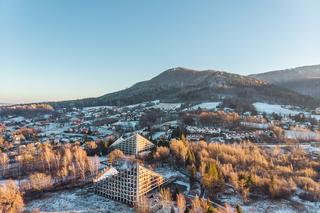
128, 183
133, 145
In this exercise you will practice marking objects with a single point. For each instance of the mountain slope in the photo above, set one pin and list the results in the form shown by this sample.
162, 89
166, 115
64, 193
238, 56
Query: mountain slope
304, 80
186, 85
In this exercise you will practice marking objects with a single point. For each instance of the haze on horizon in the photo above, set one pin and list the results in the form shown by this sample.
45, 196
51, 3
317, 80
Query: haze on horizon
60, 50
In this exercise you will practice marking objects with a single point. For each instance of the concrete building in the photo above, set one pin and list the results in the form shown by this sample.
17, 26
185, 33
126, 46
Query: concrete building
133, 145
127, 182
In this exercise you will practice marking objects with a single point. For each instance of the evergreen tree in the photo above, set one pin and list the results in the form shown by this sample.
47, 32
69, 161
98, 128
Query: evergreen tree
192, 176
211, 209
191, 159
239, 209
175, 193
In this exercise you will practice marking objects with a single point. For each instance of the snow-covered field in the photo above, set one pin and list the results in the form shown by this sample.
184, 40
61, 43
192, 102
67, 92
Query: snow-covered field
274, 108
76, 200
88, 109
279, 109
303, 135
281, 206
293, 205
206, 105
167, 106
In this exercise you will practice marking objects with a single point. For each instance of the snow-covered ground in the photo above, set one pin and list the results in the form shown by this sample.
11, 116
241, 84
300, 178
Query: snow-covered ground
167, 106
274, 108
317, 117
281, 206
127, 123
168, 172
303, 135
142, 104
54, 128
4, 182
206, 105
76, 200
293, 205
183, 183
279, 109
256, 125
104, 130
157, 135
86, 109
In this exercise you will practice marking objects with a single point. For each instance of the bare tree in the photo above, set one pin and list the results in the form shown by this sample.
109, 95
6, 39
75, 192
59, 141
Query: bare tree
199, 205
11, 200
179, 149
142, 205
46, 156
4, 160
181, 203
81, 161
166, 199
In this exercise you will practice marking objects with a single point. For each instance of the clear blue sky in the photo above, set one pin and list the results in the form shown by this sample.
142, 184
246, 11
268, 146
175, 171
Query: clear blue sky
67, 49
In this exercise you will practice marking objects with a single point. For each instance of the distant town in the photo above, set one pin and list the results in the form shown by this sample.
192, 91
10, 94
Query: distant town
160, 157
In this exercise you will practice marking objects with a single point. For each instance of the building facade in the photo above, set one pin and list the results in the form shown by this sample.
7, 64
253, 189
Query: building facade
133, 145
130, 182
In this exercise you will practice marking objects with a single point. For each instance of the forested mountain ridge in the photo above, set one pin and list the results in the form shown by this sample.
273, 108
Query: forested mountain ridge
187, 85
304, 80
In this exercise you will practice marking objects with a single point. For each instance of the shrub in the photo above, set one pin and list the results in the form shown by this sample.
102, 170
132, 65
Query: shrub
162, 153
115, 155
307, 184
40, 181
281, 188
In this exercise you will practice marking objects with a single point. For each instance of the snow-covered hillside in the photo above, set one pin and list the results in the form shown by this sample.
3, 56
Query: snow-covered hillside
274, 108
